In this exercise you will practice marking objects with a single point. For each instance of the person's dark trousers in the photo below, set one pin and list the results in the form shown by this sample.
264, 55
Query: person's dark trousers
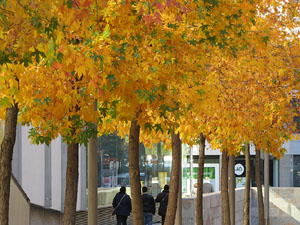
121, 220
148, 218
163, 217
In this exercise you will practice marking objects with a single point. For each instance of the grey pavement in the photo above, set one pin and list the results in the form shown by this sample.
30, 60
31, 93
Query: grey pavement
105, 217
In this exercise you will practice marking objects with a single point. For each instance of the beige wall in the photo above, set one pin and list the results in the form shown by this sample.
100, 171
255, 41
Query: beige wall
19, 205
21, 212
106, 196
284, 206
212, 209
42, 216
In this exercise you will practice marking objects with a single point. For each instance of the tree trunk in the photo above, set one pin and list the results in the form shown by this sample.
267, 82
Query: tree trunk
199, 203
178, 216
71, 185
134, 172
266, 188
231, 185
246, 218
224, 190
259, 189
92, 181
6, 153
174, 185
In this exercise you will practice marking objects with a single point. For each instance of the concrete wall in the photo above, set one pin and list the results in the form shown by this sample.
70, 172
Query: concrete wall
106, 196
284, 206
56, 183
211, 209
21, 212
17, 156
82, 179
42, 216
253, 207
33, 169
19, 205
285, 165
41, 171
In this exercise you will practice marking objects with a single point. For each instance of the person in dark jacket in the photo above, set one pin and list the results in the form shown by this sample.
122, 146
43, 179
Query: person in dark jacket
148, 206
122, 203
163, 198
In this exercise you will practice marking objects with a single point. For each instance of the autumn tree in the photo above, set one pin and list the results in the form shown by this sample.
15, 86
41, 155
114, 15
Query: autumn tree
18, 22
199, 201
246, 208
157, 59
51, 91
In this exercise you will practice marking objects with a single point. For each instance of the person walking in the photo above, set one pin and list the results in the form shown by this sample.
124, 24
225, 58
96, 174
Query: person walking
122, 205
163, 198
148, 206
207, 186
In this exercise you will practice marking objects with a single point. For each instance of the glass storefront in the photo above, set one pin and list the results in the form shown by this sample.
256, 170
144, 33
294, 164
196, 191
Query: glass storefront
211, 171
155, 164
155, 168
296, 170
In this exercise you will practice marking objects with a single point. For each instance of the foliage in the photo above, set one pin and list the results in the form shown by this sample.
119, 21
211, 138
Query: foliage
224, 68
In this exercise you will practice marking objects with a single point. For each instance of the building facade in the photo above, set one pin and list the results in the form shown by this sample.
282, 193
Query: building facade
41, 169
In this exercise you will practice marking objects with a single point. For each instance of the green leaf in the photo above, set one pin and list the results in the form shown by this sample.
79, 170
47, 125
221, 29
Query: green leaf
26, 59
5, 22
60, 57
4, 102
37, 55
192, 42
148, 126
136, 55
153, 33
266, 39
169, 61
153, 69
139, 37
106, 33
252, 20
123, 48
52, 47
173, 26
169, 34
234, 50
69, 3
158, 128
163, 87
36, 21
112, 80
4, 58
115, 63
51, 27
3, 2
201, 92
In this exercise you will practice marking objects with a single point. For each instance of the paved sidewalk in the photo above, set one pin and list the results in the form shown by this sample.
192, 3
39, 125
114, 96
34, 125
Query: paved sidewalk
105, 217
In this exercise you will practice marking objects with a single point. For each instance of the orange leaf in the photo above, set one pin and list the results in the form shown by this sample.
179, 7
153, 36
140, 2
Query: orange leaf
159, 6
86, 3
57, 65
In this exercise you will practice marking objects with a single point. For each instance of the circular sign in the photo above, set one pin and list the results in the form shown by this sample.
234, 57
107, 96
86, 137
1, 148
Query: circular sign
239, 169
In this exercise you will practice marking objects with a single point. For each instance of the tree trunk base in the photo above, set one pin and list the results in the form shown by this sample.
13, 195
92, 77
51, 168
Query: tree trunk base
6, 153
71, 185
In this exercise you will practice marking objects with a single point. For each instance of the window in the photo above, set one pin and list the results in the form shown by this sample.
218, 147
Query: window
113, 171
